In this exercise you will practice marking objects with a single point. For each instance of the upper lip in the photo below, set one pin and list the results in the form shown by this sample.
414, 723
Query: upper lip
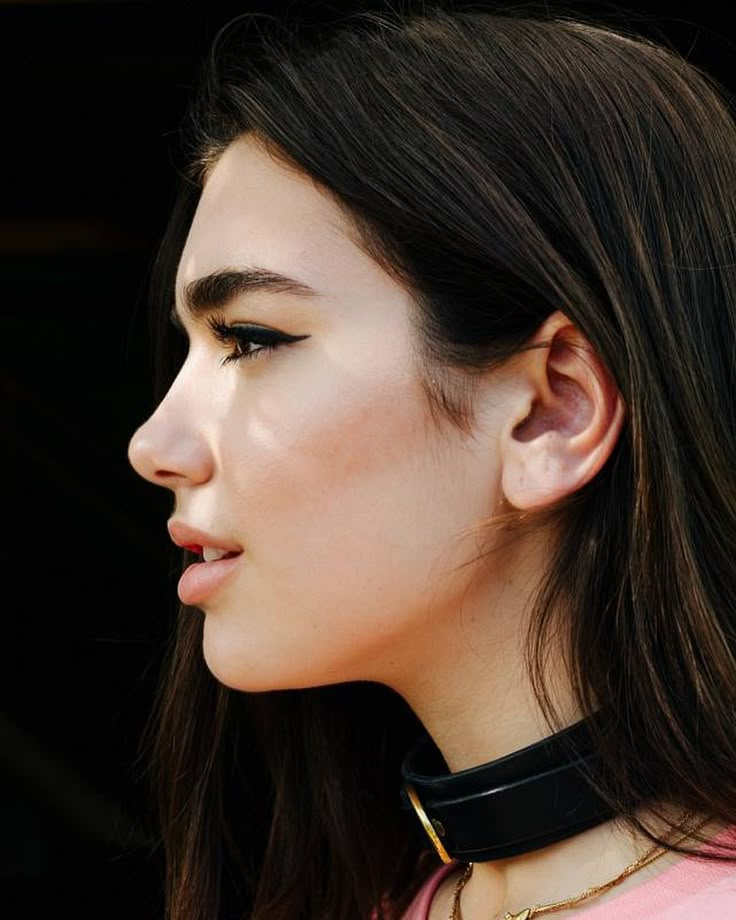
186, 536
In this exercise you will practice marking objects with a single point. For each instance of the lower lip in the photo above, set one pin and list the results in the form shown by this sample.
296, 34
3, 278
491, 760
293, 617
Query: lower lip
202, 578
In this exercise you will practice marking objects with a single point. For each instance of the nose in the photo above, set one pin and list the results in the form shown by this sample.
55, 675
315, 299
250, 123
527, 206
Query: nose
167, 452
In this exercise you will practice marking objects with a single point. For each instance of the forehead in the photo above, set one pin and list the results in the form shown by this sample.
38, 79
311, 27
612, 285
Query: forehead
254, 210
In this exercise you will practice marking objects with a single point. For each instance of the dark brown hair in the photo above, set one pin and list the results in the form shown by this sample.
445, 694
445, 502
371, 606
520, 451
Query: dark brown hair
501, 166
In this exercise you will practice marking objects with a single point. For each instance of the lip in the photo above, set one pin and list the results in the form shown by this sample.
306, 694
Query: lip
191, 538
202, 579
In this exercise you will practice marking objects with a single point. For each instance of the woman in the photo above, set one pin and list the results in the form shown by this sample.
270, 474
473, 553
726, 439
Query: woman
452, 389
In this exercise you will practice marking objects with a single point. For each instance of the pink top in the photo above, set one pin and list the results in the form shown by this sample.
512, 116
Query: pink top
688, 889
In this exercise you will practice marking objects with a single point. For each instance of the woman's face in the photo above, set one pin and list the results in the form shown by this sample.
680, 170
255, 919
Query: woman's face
318, 458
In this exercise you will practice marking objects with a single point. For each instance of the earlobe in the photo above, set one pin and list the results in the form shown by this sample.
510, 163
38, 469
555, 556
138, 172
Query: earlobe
568, 418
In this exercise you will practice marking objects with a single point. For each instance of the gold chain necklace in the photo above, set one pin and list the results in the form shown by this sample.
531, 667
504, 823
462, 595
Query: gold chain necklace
529, 912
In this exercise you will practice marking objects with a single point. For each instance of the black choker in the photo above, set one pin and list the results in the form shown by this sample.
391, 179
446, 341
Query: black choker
517, 803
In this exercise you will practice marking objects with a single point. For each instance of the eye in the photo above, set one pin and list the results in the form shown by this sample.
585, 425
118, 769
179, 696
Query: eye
243, 335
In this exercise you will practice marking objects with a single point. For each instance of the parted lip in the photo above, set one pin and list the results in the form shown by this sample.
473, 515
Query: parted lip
191, 538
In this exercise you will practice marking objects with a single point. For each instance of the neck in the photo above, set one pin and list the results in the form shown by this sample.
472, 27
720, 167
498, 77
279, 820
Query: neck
467, 682
465, 676
480, 707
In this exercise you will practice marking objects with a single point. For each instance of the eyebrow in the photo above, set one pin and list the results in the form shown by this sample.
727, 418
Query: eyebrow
218, 289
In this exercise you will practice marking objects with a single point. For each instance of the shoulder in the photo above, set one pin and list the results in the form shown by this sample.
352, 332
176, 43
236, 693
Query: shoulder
689, 888
712, 894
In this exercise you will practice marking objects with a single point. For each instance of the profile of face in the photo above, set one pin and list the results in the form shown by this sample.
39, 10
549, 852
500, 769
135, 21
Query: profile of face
318, 458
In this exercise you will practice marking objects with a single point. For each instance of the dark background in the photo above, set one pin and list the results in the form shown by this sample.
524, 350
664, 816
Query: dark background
91, 95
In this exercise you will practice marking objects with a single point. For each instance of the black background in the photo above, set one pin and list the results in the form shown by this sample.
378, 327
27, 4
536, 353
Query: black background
92, 94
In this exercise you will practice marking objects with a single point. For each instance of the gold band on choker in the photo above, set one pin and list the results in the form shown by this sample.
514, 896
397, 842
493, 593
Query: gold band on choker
427, 824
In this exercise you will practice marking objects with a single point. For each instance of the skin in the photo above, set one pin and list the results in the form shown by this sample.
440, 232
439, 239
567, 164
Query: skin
321, 461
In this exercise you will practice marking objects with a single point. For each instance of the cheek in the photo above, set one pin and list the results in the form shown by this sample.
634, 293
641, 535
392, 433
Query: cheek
334, 471
347, 503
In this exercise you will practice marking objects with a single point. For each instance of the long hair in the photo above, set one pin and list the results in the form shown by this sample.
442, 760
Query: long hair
501, 166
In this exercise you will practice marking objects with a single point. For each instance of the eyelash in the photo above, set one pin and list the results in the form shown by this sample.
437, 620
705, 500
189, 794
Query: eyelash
242, 335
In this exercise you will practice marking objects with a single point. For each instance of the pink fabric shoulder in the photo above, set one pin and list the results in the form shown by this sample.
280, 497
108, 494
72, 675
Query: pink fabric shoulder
690, 888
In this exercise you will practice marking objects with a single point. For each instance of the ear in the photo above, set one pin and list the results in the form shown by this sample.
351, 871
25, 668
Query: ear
566, 415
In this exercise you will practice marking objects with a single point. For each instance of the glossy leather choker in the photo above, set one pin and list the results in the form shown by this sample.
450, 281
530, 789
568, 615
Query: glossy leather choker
520, 802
